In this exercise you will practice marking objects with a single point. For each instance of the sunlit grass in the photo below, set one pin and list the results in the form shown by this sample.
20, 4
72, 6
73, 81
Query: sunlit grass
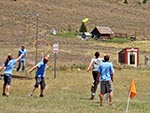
67, 34
70, 92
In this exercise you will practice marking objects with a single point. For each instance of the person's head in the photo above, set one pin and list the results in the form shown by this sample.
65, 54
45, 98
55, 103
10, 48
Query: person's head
45, 60
9, 57
106, 58
22, 47
97, 54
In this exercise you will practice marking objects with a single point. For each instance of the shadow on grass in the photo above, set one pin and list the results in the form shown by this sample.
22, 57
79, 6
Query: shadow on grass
17, 77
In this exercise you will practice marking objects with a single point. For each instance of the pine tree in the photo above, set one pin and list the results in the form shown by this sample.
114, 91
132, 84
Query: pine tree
144, 1
83, 28
126, 1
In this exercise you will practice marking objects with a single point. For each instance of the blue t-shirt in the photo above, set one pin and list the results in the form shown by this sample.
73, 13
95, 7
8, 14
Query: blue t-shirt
22, 51
106, 69
10, 66
41, 67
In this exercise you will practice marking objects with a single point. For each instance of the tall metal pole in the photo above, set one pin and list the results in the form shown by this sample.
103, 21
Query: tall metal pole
37, 27
54, 65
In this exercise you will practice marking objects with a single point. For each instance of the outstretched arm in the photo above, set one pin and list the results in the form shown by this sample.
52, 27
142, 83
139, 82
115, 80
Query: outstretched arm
1, 68
19, 57
48, 55
33, 68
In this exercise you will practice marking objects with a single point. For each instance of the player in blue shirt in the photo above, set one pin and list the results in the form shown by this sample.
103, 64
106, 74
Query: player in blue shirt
22, 61
8, 68
105, 76
40, 75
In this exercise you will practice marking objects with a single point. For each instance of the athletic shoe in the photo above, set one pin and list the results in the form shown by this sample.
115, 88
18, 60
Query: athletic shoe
41, 96
112, 105
30, 95
4, 94
92, 97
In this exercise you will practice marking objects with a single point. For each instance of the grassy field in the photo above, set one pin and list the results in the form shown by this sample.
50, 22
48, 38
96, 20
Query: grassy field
70, 92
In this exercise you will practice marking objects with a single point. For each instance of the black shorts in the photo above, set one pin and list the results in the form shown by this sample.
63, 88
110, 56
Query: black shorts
106, 86
7, 79
40, 81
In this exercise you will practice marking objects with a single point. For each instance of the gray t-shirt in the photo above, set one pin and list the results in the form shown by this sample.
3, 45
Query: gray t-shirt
96, 62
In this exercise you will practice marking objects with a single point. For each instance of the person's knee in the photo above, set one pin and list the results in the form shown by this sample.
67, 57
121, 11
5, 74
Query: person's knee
111, 94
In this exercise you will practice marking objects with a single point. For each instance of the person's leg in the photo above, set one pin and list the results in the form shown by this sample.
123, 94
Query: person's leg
95, 74
8, 90
110, 98
4, 88
19, 65
23, 65
33, 91
42, 87
102, 92
35, 86
4, 85
109, 86
107, 97
7, 84
94, 86
101, 99
41, 92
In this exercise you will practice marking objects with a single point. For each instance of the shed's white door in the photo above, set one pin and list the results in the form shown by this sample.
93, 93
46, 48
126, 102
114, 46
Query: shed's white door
132, 59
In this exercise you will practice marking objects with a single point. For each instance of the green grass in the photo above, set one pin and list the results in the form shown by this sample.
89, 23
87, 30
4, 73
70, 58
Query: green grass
70, 92
118, 40
67, 34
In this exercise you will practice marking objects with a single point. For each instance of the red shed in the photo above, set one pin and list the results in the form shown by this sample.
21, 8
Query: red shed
129, 56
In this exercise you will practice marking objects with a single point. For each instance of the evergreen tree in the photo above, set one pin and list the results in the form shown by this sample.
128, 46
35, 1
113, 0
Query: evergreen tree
126, 1
144, 1
83, 28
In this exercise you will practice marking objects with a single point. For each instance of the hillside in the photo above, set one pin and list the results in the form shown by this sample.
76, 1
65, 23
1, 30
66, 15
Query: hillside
18, 23
59, 14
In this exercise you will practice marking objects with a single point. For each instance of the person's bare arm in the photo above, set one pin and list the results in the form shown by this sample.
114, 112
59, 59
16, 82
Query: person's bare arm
19, 57
1, 68
26, 55
112, 77
33, 68
89, 67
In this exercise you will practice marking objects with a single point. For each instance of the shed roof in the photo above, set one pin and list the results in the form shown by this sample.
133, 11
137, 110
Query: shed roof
104, 30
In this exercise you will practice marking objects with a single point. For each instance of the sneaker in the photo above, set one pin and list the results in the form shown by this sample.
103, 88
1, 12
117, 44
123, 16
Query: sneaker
4, 94
41, 96
112, 105
92, 97
30, 95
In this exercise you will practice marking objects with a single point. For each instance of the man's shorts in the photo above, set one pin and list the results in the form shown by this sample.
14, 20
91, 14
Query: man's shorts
106, 86
40, 81
7, 79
